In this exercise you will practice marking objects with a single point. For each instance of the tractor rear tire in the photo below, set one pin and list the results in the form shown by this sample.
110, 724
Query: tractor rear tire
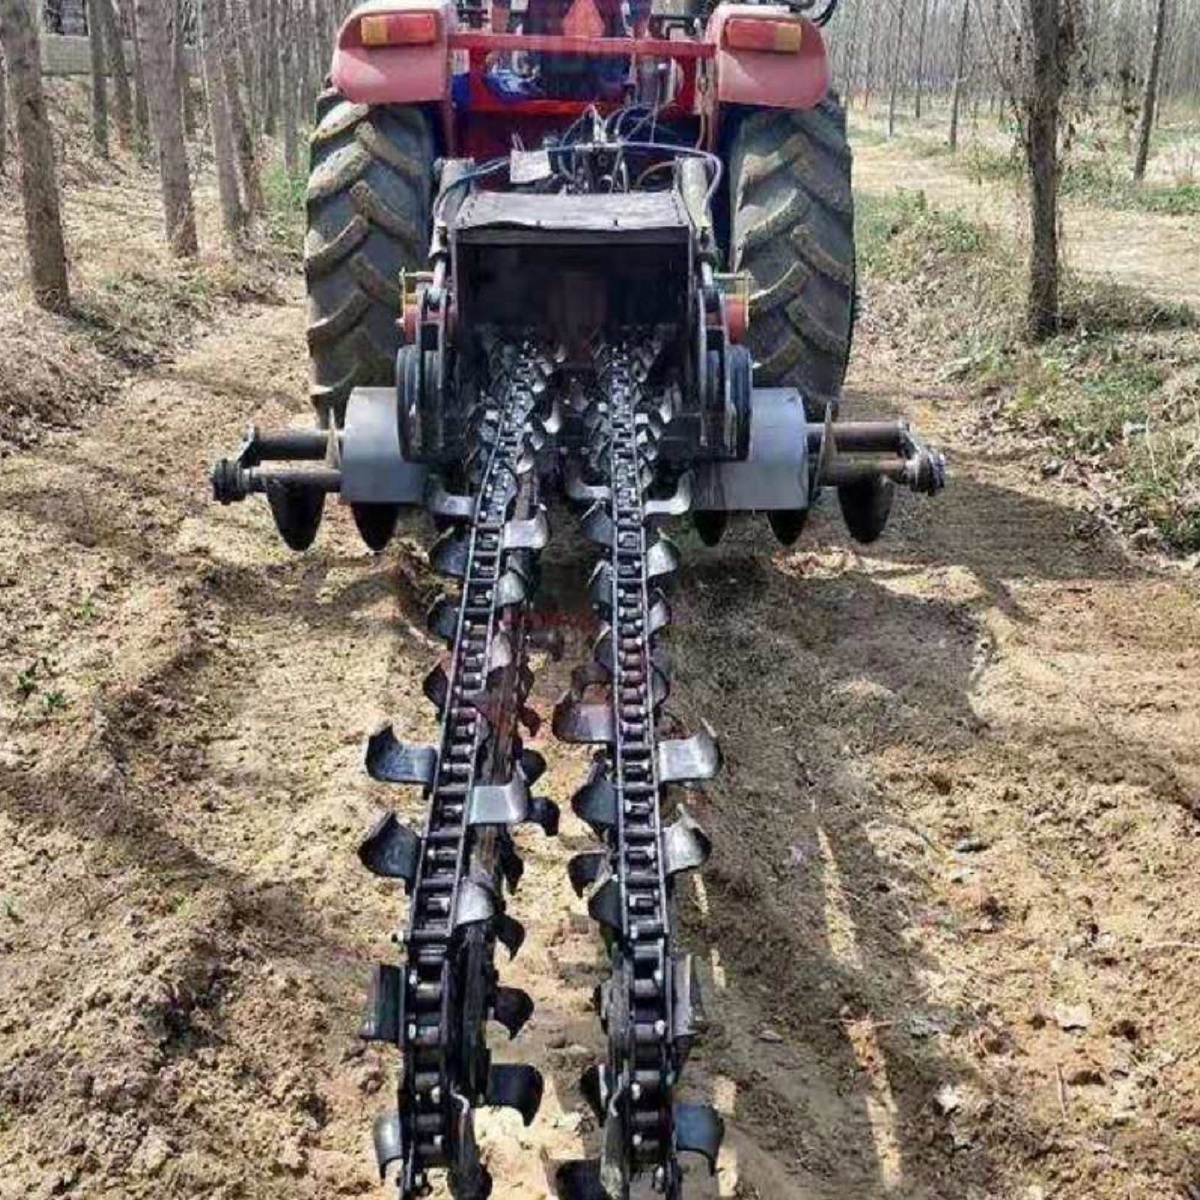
792, 229
368, 218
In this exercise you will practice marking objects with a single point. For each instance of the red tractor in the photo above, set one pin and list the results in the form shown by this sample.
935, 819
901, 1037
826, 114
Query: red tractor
580, 250
417, 82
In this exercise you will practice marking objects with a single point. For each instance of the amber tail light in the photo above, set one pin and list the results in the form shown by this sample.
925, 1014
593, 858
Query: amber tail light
397, 29
776, 37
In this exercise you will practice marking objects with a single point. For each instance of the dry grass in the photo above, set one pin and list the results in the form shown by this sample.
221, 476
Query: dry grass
1097, 158
1116, 394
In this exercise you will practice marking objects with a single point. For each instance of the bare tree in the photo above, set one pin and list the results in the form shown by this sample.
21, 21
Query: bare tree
114, 47
288, 100
3, 114
959, 66
920, 80
849, 57
141, 109
39, 179
872, 49
1150, 95
895, 82
162, 88
243, 135
1050, 34
99, 81
869, 68
178, 44
271, 71
233, 216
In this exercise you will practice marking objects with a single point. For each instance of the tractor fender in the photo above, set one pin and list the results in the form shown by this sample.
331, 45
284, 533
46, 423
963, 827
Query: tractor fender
401, 74
767, 79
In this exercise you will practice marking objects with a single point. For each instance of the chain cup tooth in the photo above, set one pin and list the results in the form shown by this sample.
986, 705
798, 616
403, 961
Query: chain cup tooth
476, 781
650, 1004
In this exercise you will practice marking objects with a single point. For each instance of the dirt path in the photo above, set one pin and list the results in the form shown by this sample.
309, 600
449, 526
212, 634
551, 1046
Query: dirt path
949, 929
1159, 254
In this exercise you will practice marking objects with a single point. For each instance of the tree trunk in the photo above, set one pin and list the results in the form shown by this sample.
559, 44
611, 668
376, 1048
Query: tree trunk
243, 137
891, 120
233, 216
869, 77
3, 114
252, 111
179, 43
35, 144
288, 99
306, 68
1150, 95
1128, 105
114, 45
271, 72
849, 63
921, 57
960, 56
163, 94
99, 81
141, 109
1050, 46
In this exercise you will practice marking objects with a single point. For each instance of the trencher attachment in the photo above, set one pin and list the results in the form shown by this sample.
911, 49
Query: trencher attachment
391, 850
390, 760
584, 869
580, 1180
685, 845
657, 511
662, 557
450, 555
583, 723
512, 1007
442, 619
689, 760
515, 1085
446, 505
532, 533
499, 803
385, 1004
699, 1129
597, 526
389, 1141
596, 802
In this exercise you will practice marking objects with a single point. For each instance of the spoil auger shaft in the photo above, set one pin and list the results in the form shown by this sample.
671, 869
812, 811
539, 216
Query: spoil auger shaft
648, 1005
476, 781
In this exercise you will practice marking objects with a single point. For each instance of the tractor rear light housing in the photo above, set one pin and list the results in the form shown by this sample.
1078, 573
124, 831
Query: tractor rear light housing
380, 30
774, 37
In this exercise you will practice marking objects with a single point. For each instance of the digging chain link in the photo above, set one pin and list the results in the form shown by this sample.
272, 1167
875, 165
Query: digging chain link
647, 1005
477, 778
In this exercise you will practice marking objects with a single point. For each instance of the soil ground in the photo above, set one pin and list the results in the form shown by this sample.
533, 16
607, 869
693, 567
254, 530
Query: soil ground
947, 936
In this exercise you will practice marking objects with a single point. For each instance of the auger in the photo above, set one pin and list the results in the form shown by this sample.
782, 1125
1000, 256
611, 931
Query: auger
568, 340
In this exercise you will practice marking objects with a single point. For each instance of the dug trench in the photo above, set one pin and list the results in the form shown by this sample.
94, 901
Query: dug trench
947, 933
